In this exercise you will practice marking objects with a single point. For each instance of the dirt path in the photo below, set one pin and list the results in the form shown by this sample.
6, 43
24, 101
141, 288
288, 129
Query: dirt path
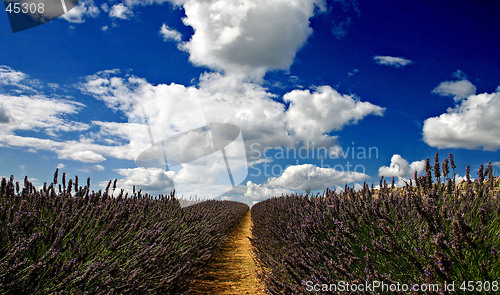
232, 271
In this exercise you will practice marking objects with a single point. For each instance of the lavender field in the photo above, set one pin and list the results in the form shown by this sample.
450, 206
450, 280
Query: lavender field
431, 231
64, 239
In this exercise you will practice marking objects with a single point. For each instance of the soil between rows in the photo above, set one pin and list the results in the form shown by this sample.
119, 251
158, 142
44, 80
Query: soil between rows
233, 269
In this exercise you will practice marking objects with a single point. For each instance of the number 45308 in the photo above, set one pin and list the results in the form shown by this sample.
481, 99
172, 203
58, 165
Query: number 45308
25, 8
479, 286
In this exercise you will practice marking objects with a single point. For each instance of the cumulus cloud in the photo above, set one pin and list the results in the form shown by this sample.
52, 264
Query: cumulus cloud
4, 115
170, 34
312, 115
392, 61
154, 181
223, 99
298, 177
473, 123
248, 105
112, 133
228, 99
458, 89
257, 192
308, 176
84, 8
207, 177
244, 37
247, 37
120, 11
117, 93
400, 167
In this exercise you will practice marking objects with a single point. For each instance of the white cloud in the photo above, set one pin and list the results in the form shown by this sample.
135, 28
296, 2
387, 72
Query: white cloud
73, 150
266, 122
400, 168
247, 37
117, 93
18, 80
105, 7
312, 115
52, 116
54, 86
259, 161
308, 176
4, 115
458, 89
60, 166
170, 34
392, 61
10, 76
259, 192
113, 133
224, 99
151, 180
228, 99
84, 8
38, 112
85, 156
459, 178
120, 11
94, 168
248, 105
473, 123
207, 177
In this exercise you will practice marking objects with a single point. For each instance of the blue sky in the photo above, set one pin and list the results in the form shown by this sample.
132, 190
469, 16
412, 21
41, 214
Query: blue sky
307, 82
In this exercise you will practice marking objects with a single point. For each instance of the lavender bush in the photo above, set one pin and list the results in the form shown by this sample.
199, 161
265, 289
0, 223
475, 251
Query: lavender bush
431, 231
64, 239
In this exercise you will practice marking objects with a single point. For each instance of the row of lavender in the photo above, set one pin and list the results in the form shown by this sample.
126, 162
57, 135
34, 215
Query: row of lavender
429, 232
65, 239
